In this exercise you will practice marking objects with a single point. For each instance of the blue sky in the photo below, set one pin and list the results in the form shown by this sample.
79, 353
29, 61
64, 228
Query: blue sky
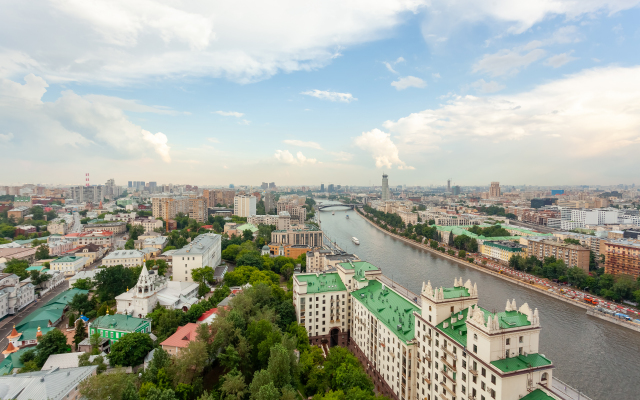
192, 92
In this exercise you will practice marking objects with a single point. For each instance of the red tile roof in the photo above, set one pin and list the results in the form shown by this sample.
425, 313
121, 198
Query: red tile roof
207, 314
183, 336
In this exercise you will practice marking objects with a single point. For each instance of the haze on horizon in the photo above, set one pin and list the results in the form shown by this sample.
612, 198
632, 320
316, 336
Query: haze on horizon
542, 93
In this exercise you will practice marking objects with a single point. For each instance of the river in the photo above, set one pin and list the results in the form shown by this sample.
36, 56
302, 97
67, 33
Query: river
597, 358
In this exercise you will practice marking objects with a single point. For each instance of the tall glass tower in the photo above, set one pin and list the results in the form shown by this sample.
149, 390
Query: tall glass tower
385, 187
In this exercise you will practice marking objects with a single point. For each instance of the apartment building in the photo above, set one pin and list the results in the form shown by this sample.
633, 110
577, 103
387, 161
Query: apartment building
166, 207
14, 295
244, 205
573, 255
127, 258
203, 251
439, 345
18, 213
320, 260
502, 250
408, 217
218, 196
115, 227
294, 205
69, 265
101, 238
150, 224
198, 209
20, 253
494, 190
262, 220
622, 257
308, 235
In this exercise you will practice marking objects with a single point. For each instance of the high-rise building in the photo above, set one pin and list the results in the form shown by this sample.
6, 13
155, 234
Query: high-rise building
269, 202
232, 186
130, 184
198, 208
330, 188
456, 190
166, 207
385, 187
494, 190
272, 185
244, 205
322, 187
448, 185
264, 185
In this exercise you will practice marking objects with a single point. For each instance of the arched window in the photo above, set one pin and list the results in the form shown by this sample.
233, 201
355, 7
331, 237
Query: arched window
545, 377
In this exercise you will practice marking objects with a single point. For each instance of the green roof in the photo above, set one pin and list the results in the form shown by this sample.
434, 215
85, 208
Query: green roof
66, 259
503, 247
118, 322
64, 298
521, 362
392, 309
322, 283
538, 394
30, 333
40, 317
457, 330
12, 361
360, 267
244, 227
455, 292
36, 268
462, 230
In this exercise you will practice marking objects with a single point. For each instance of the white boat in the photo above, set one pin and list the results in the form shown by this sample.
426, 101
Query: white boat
333, 213
355, 240
347, 216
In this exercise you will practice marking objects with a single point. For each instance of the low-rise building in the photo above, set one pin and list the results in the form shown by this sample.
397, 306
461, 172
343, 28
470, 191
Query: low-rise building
14, 295
69, 265
289, 250
54, 384
203, 251
158, 242
148, 223
18, 213
115, 227
151, 290
572, 254
181, 339
127, 258
502, 250
19, 253
101, 238
113, 327
91, 251
408, 217
309, 235
25, 230
262, 220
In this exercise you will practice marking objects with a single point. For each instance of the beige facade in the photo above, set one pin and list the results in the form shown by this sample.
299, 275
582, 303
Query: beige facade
198, 209
408, 217
572, 254
101, 238
150, 224
115, 227
167, 207
218, 196
494, 190
244, 205
308, 235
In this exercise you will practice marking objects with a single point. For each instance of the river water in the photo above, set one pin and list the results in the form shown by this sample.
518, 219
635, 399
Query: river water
600, 359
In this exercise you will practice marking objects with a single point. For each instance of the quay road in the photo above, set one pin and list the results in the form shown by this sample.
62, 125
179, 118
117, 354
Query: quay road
592, 355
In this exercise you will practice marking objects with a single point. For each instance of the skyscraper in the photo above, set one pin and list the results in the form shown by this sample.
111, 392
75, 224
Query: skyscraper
385, 187
448, 185
322, 187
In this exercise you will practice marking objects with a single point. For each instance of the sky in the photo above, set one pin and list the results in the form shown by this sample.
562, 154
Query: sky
542, 92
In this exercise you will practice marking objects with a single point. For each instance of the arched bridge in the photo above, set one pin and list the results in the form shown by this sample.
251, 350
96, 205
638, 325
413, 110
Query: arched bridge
325, 206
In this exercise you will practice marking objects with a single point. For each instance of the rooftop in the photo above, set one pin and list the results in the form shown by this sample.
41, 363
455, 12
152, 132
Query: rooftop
183, 336
392, 309
537, 394
119, 322
43, 385
506, 245
200, 244
67, 259
322, 283
521, 362
123, 254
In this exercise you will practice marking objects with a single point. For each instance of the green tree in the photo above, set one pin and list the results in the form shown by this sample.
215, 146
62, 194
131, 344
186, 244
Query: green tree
247, 234
230, 359
81, 333
18, 267
462, 254
280, 368
84, 284
37, 278
349, 376
204, 274
233, 386
130, 349
80, 303
162, 266
53, 342
42, 253
203, 289
129, 245
112, 281
105, 386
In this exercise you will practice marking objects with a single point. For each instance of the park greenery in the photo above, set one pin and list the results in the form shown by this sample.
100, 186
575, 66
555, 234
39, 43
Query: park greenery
490, 231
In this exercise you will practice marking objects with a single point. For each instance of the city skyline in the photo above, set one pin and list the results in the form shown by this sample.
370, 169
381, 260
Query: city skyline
422, 91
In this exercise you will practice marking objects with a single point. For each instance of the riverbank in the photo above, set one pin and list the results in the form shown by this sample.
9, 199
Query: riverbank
614, 320
486, 270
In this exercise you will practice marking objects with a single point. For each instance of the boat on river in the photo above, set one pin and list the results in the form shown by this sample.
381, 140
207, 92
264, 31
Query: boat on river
355, 240
347, 216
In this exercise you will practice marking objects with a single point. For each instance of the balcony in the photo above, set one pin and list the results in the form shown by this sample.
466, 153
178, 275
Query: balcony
443, 347
426, 380
444, 360
451, 392
426, 357
473, 371
443, 397
446, 373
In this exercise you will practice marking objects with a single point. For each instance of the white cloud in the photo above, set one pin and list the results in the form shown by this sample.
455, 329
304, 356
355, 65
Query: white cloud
120, 41
300, 143
407, 82
381, 148
342, 156
559, 60
436, 76
483, 86
6, 137
509, 16
95, 124
508, 61
213, 140
286, 157
566, 34
331, 96
244, 122
229, 113
593, 113
389, 67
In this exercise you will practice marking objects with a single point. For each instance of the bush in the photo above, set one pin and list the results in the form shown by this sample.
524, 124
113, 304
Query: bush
470, 259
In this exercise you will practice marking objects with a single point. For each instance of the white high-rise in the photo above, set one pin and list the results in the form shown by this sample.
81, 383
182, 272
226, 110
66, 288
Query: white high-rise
244, 205
385, 187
